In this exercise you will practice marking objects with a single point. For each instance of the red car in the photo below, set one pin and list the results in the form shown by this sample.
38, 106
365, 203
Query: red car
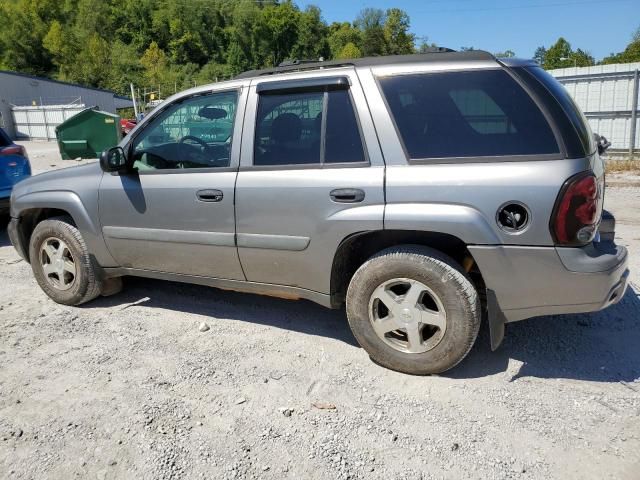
127, 125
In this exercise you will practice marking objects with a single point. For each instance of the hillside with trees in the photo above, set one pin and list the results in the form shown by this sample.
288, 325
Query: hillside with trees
177, 43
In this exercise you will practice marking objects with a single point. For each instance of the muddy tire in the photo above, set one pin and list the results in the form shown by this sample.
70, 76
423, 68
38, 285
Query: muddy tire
414, 310
61, 262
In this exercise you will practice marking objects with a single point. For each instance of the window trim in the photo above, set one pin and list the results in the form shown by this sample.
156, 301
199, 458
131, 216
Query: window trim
477, 158
153, 118
279, 87
320, 87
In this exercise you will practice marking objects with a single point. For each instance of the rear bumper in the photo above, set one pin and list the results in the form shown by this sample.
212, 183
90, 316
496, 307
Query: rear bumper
534, 281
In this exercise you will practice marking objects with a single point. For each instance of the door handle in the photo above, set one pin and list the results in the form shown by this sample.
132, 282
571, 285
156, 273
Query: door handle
209, 195
347, 195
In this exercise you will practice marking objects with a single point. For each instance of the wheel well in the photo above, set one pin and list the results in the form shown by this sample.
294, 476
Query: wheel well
30, 218
356, 249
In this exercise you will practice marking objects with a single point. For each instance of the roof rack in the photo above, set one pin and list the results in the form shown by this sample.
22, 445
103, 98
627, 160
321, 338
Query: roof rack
437, 54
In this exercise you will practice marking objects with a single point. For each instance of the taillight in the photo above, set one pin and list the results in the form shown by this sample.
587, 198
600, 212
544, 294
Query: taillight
577, 211
13, 150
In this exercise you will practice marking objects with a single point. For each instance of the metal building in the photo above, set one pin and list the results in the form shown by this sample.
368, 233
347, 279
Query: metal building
608, 95
31, 107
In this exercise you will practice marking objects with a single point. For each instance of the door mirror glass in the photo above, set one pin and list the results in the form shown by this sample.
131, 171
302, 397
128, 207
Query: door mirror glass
113, 160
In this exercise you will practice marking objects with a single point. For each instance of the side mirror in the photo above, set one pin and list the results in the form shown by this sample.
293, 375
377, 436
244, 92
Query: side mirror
113, 160
602, 142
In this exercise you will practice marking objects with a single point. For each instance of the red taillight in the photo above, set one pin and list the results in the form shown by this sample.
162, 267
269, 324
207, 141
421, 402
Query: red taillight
12, 150
576, 214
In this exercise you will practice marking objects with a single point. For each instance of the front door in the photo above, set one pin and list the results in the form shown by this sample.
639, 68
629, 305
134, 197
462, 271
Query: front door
175, 211
310, 176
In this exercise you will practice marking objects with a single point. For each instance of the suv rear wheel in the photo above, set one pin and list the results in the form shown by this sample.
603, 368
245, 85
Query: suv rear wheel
414, 310
61, 263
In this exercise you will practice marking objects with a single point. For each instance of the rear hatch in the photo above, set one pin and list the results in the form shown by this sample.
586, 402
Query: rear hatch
579, 142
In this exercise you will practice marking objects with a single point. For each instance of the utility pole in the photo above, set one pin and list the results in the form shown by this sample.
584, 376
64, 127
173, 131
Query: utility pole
135, 104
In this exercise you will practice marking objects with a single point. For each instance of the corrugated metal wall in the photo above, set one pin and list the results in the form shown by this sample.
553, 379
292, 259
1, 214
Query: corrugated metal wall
24, 90
41, 122
608, 95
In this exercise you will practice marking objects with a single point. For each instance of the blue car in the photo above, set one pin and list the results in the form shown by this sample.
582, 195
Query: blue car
14, 166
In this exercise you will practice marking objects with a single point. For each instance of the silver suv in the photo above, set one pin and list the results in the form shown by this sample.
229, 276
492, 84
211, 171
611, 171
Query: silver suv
425, 192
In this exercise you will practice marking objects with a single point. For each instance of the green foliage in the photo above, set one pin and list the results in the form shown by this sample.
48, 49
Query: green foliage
341, 35
396, 33
505, 54
371, 23
629, 55
350, 50
174, 44
561, 55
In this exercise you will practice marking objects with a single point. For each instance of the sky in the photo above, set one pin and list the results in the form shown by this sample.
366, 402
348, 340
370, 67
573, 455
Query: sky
597, 26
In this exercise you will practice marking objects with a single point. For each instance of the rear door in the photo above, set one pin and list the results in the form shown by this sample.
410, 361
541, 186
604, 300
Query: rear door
311, 174
175, 212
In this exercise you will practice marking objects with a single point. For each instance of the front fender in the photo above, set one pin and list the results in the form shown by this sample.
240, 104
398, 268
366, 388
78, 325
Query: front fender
71, 203
463, 222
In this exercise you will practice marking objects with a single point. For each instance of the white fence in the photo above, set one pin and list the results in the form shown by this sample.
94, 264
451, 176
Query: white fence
40, 122
608, 95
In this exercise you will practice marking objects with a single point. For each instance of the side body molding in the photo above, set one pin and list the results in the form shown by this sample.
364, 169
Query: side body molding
71, 203
463, 222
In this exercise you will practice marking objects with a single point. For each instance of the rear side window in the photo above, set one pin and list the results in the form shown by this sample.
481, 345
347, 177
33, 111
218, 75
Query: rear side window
466, 114
298, 128
342, 138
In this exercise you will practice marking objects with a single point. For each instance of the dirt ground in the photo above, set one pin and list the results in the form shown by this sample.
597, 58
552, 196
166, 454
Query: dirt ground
129, 387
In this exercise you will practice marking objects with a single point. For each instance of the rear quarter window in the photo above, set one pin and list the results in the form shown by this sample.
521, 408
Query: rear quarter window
466, 114
576, 132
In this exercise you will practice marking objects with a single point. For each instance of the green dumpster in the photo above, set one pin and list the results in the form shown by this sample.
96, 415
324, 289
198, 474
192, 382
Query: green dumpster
88, 133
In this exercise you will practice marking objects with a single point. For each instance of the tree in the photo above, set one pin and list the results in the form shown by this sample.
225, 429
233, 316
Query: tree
506, 54
312, 36
582, 59
561, 55
425, 46
154, 62
396, 33
630, 54
350, 50
342, 34
370, 22
280, 29
21, 37
540, 55
93, 61
62, 46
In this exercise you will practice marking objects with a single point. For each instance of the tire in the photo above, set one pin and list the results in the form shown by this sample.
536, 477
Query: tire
80, 287
443, 295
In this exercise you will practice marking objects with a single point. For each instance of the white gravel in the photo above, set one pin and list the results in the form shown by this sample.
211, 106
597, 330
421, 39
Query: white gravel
130, 387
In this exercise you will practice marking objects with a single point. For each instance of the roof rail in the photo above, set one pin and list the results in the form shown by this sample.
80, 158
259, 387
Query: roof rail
437, 54
295, 61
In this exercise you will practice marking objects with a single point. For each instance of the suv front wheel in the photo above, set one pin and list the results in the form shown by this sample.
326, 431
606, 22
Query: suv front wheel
414, 310
61, 262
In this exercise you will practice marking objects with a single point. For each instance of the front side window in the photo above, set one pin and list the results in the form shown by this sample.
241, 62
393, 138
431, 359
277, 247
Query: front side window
193, 133
466, 114
291, 129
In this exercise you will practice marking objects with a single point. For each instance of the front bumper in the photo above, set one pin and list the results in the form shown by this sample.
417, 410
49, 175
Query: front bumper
16, 238
534, 281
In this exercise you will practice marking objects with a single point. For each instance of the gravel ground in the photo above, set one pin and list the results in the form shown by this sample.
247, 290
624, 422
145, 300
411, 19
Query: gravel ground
130, 387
